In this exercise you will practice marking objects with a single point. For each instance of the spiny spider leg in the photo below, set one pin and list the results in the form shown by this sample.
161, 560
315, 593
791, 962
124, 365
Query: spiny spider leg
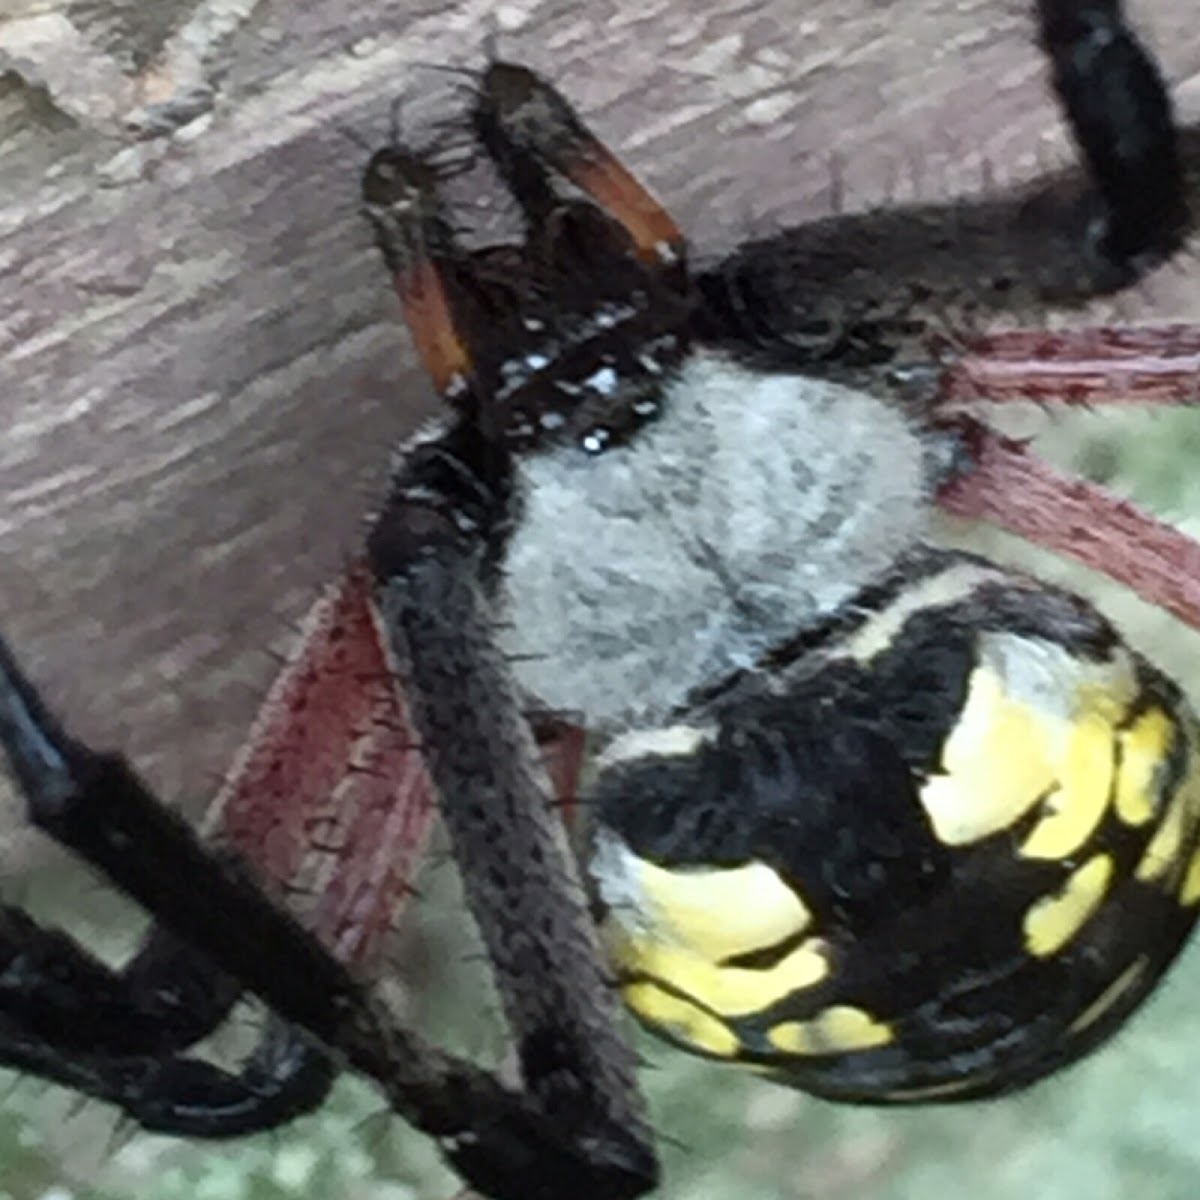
95, 805
114, 1038
527, 127
329, 798
330, 761
1137, 365
1117, 104
1014, 489
433, 555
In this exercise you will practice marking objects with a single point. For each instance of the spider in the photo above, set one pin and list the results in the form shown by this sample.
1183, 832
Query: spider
884, 820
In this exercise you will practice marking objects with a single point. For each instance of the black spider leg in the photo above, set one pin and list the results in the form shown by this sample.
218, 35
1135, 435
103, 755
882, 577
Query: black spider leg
95, 805
434, 553
117, 1035
1121, 115
862, 298
572, 332
537, 141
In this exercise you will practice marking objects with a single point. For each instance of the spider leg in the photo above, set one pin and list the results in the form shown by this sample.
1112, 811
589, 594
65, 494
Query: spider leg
1120, 113
285, 1077
1012, 488
530, 131
329, 798
854, 296
96, 806
1138, 365
433, 552
330, 762
52, 989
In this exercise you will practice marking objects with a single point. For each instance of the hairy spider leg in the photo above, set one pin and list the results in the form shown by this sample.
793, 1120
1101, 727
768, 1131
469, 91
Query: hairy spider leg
96, 806
527, 127
1148, 364
329, 798
329, 776
1014, 489
1011, 487
432, 552
1121, 115
400, 194
111, 1034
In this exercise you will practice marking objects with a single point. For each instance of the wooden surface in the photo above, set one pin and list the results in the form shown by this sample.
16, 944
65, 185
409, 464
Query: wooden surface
201, 367
202, 371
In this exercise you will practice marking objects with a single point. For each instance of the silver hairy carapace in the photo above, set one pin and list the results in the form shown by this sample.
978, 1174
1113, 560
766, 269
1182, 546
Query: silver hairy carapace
757, 504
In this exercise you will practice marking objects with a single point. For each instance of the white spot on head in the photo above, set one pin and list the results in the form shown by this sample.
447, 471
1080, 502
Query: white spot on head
603, 381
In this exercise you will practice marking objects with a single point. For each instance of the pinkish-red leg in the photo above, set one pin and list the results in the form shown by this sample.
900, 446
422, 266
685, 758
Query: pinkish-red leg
1151, 364
329, 797
563, 748
1012, 488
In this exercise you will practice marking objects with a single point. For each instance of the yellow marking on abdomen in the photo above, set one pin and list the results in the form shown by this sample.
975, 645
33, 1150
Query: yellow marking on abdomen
1144, 747
1165, 847
1038, 737
681, 1020
933, 1091
1054, 920
730, 991
720, 912
838, 1030
1187, 804
1189, 893
1075, 808
997, 763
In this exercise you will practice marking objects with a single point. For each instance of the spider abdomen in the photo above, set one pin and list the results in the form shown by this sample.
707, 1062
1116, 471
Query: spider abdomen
936, 858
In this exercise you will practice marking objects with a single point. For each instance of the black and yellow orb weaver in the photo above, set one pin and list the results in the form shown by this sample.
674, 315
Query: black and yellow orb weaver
884, 819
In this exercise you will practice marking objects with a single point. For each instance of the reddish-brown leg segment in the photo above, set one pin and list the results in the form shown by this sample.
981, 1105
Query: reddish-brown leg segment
540, 125
600, 174
431, 323
329, 797
1137, 365
1014, 489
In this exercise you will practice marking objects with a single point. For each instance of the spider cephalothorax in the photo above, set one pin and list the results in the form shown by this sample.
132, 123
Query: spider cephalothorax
885, 819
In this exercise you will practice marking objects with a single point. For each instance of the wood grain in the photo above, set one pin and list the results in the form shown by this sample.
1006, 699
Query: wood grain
201, 366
